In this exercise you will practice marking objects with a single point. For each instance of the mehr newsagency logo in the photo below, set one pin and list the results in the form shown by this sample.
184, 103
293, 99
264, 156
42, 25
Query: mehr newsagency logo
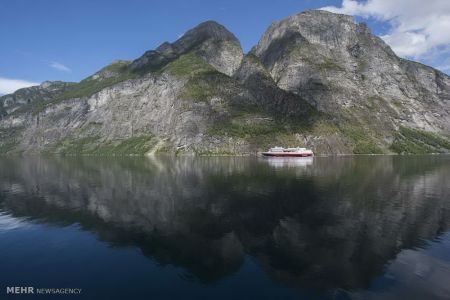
29, 290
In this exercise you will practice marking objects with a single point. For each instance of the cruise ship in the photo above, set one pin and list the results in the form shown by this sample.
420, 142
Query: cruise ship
288, 152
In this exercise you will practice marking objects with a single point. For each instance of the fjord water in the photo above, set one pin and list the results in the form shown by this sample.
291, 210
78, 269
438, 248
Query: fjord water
368, 227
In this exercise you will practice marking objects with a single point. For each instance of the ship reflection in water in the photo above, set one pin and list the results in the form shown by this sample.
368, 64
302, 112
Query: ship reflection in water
228, 228
292, 162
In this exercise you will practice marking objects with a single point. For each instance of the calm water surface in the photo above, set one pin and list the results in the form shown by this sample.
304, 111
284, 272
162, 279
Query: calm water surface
227, 228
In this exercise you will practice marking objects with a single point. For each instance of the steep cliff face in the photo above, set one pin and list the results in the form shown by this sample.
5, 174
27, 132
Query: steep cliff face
315, 79
341, 68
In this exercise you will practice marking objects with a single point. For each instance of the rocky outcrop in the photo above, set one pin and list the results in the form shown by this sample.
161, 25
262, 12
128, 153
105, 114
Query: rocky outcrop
267, 94
45, 91
316, 79
210, 41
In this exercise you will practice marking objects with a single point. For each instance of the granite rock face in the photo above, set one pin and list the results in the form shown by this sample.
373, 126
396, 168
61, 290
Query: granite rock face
315, 79
336, 64
210, 41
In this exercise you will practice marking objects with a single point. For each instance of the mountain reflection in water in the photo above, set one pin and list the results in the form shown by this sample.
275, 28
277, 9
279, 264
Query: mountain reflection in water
359, 227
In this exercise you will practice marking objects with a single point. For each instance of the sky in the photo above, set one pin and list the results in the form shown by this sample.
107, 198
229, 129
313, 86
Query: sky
71, 39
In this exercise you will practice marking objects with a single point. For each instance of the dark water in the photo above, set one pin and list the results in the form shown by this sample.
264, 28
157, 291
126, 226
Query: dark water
227, 228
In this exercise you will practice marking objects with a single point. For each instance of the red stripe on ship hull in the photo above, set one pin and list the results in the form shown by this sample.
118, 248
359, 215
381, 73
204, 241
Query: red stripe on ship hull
287, 154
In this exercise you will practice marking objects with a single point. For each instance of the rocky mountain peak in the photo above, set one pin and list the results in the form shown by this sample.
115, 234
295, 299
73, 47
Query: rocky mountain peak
209, 41
339, 67
52, 85
315, 27
204, 31
45, 84
114, 69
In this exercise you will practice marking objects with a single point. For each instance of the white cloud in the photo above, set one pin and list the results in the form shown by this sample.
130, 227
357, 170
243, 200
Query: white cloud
418, 27
60, 67
8, 86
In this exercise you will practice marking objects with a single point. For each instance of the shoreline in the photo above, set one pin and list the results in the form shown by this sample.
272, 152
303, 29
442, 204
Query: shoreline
258, 155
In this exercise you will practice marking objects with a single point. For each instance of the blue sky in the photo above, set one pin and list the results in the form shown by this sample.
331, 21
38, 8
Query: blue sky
71, 39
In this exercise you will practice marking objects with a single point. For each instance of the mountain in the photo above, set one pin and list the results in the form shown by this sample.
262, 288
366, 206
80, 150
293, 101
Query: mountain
209, 41
45, 91
315, 78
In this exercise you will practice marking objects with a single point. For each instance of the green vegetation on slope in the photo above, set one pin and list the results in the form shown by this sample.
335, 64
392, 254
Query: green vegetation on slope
287, 131
2, 111
360, 140
7, 147
205, 86
187, 65
274, 130
242, 126
259, 136
311, 54
203, 81
95, 146
247, 130
9, 139
116, 72
415, 141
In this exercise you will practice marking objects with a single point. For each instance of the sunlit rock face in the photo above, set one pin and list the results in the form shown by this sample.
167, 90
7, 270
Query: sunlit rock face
335, 63
313, 224
210, 41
